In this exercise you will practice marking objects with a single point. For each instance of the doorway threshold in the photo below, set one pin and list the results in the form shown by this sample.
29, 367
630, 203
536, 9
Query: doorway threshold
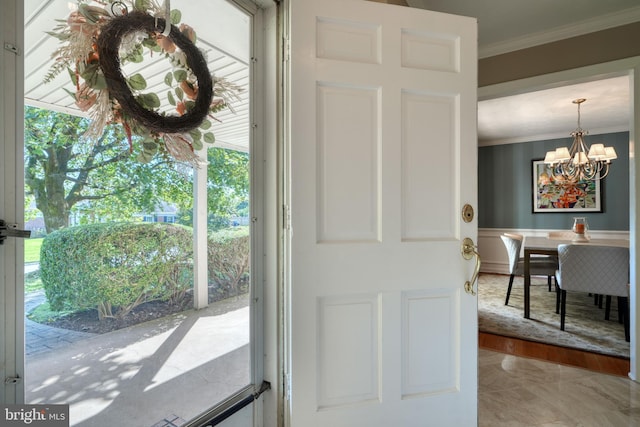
601, 363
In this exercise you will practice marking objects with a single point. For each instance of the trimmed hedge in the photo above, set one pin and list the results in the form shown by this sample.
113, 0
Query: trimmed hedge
115, 267
228, 261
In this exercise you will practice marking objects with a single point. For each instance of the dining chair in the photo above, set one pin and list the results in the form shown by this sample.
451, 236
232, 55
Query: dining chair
569, 235
539, 265
601, 270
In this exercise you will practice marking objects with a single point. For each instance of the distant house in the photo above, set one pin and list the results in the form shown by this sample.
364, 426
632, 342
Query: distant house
236, 221
164, 212
36, 226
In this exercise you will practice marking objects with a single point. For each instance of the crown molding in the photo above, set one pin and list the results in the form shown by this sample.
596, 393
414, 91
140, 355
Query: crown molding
604, 22
550, 136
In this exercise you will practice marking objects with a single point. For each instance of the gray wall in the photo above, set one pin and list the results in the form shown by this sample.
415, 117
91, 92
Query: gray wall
505, 186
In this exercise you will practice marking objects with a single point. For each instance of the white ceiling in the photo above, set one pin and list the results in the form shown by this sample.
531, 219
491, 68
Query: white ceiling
550, 114
507, 25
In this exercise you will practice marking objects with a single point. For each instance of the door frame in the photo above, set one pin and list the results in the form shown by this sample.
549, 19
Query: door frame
264, 176
12, 358
630, 67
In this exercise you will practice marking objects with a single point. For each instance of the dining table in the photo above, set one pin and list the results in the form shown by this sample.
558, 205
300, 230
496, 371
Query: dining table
549, 246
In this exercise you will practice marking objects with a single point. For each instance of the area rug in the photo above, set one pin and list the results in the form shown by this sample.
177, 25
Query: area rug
585, 327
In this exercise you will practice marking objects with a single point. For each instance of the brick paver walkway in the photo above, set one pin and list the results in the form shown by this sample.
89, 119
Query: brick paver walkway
40, 338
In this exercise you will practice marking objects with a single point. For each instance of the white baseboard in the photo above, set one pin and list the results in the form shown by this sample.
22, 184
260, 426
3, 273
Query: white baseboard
494, 267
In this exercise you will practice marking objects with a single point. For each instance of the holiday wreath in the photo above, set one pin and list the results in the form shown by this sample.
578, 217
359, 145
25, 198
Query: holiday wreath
100, 36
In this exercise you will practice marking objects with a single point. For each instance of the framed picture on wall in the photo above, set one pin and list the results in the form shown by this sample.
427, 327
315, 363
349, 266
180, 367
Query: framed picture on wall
553, 196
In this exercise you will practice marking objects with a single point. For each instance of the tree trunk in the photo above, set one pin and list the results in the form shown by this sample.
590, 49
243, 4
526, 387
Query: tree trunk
49, 190
56, 214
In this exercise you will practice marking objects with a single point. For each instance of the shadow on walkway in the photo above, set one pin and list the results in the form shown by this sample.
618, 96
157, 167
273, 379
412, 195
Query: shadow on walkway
172, 367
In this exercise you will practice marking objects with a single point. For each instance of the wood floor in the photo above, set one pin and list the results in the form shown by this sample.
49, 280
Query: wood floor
566, 356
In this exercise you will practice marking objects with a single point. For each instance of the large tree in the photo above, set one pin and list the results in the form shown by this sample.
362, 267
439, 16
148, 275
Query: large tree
227, 188
66, 172
227, 182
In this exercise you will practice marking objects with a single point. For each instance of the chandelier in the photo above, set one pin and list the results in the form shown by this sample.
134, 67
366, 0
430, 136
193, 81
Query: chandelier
580, 163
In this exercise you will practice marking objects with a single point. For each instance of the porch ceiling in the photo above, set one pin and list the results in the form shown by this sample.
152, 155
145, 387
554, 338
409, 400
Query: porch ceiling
223, 35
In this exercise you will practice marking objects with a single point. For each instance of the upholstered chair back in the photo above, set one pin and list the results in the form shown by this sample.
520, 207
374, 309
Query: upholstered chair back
513, 244
602, 270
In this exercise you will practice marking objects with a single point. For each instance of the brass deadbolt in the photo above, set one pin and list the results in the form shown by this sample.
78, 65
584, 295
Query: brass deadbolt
467, 213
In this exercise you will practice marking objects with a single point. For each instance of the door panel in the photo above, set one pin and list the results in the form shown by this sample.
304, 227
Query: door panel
383, 152
429, 193
360, 196
348, 343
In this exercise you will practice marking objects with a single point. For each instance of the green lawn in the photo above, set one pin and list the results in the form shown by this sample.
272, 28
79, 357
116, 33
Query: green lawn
32, 249
32, 280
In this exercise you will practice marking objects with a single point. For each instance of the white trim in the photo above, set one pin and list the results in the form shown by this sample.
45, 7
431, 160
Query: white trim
266, 95
634, 184
616, 19
558, 79
548, 136
12, 342
54, 107
200, 233
258, 198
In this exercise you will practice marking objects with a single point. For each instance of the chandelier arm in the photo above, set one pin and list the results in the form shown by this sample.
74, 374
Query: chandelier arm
567, 172
583, 146
591, 168
601, 166
556, 173
590, 174
574, 145
606, 171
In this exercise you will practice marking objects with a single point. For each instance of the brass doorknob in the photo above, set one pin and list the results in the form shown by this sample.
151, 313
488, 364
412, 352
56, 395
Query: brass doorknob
469, 250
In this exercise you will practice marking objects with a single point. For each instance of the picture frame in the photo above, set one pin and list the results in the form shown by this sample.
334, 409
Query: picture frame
550, 196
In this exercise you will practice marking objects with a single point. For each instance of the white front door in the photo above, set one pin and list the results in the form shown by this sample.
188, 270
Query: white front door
382, 151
